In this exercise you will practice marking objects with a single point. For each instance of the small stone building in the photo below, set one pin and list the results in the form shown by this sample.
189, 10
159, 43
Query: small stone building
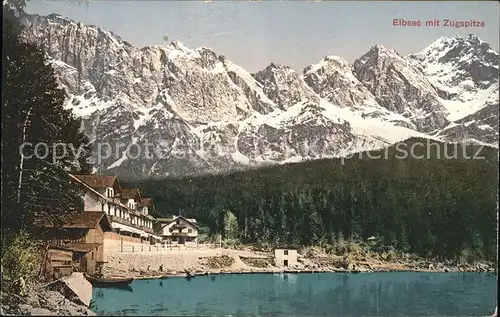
285, 257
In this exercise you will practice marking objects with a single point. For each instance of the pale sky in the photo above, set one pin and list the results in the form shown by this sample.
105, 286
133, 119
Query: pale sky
295, 33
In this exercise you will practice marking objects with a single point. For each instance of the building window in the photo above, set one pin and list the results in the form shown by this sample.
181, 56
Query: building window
189, 230
178, 222
285, 252
102, 206
171, 230
92, 255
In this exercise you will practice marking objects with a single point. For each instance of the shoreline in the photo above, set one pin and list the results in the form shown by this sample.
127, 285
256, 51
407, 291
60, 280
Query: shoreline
154, 276
230, 261
168, 276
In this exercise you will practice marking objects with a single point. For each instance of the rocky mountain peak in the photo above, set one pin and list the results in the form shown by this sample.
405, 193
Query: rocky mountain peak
378, 57
329, 62
400, 87
464, 72
274, 70
459, 59
380, 50
284, 86
56, 18
336, 60
333, 79
179, 46
207, 56
474, 38
463, 48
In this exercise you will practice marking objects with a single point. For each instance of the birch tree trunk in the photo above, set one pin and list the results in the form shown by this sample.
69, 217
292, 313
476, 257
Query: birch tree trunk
21, 163
246, 224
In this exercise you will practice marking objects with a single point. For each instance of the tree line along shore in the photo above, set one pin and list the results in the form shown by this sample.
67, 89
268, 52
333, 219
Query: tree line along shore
435, 209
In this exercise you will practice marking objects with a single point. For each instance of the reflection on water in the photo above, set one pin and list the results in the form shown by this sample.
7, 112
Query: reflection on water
123, 288
329, 294
286, 278
99, 293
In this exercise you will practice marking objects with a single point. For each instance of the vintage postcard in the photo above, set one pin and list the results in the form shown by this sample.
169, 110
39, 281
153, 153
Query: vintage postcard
250, 158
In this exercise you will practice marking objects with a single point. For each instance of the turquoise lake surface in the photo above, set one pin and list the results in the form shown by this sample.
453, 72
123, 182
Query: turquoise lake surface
320, 294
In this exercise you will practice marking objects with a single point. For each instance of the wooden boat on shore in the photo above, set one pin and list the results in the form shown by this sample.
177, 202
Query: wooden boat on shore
110, 282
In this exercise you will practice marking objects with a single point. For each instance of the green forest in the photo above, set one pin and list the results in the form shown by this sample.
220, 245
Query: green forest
431, 205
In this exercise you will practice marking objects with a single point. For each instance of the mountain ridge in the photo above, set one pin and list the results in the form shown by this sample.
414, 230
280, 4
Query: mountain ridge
198, 102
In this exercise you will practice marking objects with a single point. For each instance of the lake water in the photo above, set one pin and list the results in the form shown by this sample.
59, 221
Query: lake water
321, 294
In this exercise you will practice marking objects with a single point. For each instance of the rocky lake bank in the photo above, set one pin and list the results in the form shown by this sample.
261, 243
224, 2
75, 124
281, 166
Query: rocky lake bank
226, 261
41, 302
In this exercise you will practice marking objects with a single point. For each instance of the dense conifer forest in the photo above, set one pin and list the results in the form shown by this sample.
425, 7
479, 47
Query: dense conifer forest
431, 204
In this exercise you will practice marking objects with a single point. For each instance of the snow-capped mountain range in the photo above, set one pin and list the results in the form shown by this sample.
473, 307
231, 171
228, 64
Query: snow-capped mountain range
197, 112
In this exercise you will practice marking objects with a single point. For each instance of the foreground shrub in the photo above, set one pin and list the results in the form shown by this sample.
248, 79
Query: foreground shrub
21, 258
469, 255
231, 243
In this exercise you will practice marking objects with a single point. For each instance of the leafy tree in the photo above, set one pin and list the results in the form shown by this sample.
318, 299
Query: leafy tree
230, 226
